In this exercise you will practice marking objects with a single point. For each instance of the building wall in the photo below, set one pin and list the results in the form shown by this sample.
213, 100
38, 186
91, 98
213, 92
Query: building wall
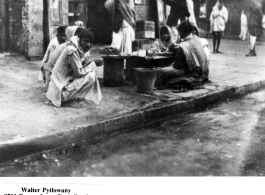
26, 28
23, 26
15, 24
146, 10
24, 45
11, 24
3, 24
34, 29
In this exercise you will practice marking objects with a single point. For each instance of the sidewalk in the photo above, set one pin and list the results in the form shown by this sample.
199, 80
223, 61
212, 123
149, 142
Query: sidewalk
28, 125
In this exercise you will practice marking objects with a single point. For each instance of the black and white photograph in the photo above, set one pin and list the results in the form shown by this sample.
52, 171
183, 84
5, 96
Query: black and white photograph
132, 88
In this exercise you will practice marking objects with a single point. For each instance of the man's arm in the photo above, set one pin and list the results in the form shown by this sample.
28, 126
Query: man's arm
77, 67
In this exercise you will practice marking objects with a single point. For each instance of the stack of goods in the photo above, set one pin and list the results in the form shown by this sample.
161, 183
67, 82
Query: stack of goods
108, 50
145, 30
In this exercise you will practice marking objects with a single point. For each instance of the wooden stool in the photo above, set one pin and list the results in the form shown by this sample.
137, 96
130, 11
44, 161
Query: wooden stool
113, 71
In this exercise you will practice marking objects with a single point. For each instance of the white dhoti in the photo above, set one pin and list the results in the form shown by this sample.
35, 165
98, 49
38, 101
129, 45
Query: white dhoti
124, 38
252, 42
86, 87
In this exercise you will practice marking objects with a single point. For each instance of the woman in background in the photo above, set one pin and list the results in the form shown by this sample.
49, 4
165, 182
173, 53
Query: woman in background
218, 18
165, 41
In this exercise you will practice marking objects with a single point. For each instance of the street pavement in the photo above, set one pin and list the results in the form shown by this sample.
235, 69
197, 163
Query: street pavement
28, 125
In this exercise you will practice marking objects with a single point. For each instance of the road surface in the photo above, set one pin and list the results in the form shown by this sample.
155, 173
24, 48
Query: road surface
226, 139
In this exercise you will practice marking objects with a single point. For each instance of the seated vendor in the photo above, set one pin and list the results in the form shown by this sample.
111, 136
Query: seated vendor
191, 63
163, 44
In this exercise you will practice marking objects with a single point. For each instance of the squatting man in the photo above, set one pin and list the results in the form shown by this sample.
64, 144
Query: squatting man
71, 79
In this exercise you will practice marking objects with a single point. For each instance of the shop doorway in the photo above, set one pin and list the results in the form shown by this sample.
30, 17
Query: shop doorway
93, 15
99, 21
78, 13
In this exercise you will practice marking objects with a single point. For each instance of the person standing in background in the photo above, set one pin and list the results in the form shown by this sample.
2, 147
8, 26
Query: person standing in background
190, 6
255, 15
218, 19
123, 24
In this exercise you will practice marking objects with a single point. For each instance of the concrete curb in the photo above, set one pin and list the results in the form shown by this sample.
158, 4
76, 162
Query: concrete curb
27, 146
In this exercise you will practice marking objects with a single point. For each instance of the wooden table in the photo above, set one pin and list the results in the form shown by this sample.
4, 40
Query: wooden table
115, 75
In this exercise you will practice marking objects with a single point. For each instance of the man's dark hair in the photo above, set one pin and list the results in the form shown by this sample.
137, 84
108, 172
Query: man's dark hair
164, 29
185, 28
86, 33
78, 30
195, 30
61, 29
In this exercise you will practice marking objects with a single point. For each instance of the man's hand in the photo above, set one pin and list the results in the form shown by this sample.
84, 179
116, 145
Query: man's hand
87, 69
173, 47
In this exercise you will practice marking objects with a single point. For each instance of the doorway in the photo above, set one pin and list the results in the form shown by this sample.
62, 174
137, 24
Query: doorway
99, 21
78, 13
93, 15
